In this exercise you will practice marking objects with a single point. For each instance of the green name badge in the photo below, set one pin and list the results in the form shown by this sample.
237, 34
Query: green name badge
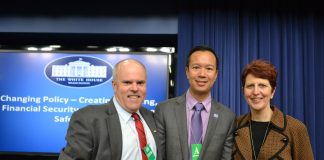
195, 150
149, 153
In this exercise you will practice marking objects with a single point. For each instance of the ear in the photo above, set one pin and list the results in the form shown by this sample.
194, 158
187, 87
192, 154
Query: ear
273, 92
243, 90
187, 72
216, 75
114, 84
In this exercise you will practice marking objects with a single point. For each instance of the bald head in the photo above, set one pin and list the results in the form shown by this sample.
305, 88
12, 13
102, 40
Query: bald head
126, 63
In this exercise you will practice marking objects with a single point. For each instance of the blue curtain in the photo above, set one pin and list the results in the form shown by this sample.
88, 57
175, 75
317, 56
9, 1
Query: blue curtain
292, 41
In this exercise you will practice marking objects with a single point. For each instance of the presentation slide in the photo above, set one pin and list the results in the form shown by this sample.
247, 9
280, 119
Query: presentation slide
40, 91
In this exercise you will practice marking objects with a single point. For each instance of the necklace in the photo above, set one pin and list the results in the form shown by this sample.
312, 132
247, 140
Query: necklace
255, 157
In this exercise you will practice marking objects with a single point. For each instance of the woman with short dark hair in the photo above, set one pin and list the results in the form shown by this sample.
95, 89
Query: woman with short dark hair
266, 132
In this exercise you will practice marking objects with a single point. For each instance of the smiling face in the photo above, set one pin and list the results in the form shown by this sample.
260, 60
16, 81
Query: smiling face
201, 73
130, 85
258, 93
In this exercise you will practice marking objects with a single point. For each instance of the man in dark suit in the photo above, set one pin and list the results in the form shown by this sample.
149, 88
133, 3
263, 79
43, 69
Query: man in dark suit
182, 135
118, 130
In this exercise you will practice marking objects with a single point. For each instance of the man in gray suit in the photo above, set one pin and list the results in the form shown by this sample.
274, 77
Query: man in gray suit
117, 130
177, 122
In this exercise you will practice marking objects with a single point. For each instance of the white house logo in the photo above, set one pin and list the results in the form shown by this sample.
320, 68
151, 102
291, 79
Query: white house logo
79, 71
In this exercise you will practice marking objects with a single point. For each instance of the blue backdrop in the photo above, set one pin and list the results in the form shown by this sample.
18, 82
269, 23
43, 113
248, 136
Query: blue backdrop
293, 42
43, 130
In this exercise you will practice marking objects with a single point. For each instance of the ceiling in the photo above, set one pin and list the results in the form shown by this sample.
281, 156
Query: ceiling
139, 8
59, 8
87, 8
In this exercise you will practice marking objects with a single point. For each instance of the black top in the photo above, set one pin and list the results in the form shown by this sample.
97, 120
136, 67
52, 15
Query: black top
259, 130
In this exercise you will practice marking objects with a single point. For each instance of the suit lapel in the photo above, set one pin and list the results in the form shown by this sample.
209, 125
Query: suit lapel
275, 141
181, 117
150, 122
114, 131
211, 127
243, 142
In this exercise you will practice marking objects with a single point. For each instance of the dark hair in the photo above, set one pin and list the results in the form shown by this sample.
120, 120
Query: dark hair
201, 48
261, 69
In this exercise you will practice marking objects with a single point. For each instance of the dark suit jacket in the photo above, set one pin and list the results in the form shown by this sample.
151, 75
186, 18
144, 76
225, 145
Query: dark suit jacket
95, 133
171, 121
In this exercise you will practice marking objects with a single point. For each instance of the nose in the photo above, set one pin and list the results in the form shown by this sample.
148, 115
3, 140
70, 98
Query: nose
256, 90
134, 87
202, 72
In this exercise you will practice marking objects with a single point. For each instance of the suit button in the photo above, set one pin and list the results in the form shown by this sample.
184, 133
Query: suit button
284, 140
235, 134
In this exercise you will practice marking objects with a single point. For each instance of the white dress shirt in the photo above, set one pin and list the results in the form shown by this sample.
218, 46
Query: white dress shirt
131, 144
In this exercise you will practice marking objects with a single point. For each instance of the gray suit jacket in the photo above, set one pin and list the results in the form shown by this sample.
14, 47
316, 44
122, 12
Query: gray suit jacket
94, 133
171, 121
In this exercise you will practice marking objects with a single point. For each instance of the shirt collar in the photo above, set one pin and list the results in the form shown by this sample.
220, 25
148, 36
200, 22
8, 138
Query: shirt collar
191, 101
126, 116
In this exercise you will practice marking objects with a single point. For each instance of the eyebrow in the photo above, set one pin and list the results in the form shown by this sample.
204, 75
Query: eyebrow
137, 81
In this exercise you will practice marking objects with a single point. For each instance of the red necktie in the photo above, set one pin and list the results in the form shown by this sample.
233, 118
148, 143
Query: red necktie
141, 134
